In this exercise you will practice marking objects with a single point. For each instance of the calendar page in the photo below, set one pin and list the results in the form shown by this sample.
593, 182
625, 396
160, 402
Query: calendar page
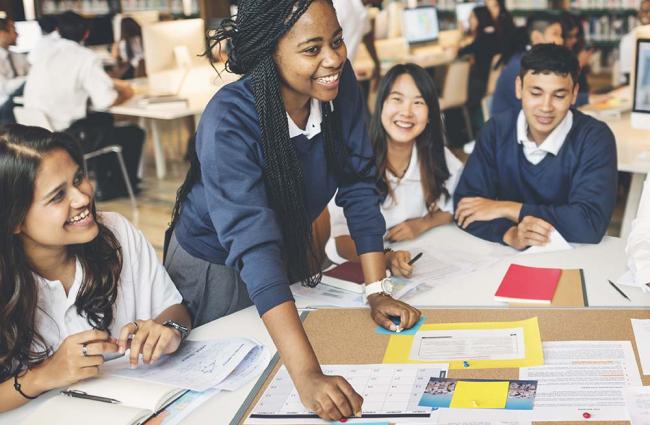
388, 390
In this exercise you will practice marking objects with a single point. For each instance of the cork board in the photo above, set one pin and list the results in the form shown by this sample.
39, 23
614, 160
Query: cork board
347, 336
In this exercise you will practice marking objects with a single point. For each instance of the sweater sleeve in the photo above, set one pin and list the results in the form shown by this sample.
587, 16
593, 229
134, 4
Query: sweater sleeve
358, 195
480, 178
232, 173
592, 196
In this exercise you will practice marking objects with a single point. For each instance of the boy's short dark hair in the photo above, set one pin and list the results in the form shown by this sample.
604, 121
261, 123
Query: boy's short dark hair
47, 23
550, 58
539, 21
72, 26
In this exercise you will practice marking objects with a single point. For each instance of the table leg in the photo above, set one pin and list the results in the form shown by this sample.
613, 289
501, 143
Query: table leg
632, 203
144, 124
159, 156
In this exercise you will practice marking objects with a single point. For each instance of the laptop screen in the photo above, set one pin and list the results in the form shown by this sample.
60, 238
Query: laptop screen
642, 79
420, 24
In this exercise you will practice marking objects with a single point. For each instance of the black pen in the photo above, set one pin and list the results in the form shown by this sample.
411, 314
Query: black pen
84, 395
414, 259
619, 290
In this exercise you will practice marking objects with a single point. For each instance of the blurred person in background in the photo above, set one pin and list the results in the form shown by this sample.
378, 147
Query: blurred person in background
128, 51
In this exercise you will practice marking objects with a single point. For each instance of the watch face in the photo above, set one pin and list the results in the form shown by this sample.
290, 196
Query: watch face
387, 286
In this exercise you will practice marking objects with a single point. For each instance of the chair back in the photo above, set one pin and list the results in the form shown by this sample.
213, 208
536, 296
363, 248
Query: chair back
454, 90
33, 117
493, 76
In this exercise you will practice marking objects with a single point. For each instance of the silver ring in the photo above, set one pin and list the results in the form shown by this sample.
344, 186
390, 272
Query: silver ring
137, 327
84, 350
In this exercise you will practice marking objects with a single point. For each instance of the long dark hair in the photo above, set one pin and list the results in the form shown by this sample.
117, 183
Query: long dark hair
21, 152
254, 34
129, 29
430, 143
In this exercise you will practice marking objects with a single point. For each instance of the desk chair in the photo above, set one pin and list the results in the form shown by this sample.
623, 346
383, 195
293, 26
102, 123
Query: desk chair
35, 117
486, 102
455, 91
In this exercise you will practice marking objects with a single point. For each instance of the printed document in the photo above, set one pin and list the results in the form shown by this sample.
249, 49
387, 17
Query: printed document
556, 243
468, 344
641, 328
197, 365
638, 405
388, 391
583, 379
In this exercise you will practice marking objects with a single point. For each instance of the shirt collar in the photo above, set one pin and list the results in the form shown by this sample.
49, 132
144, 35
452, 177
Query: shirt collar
412, 172
313, 122
554, 141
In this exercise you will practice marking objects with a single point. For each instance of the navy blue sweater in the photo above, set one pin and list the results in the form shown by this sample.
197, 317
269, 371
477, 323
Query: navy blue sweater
575, 191
227, 219
504, 97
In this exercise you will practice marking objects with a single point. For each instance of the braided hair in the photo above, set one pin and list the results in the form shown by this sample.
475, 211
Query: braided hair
254, 35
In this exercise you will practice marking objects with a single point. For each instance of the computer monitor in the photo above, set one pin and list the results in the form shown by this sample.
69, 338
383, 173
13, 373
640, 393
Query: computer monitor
641, 95
420, 24
463, 12
29, 32
159, 41
101, 30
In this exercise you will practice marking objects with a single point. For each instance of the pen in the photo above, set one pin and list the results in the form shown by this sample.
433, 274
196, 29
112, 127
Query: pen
414, 259
84, 395
619, 290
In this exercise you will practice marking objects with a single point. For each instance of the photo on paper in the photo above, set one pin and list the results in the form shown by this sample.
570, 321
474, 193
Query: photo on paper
439, 392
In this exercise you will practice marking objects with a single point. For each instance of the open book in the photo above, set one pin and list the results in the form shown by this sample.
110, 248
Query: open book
133, 402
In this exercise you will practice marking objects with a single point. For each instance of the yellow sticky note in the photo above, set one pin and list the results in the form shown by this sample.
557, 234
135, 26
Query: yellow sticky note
480, 395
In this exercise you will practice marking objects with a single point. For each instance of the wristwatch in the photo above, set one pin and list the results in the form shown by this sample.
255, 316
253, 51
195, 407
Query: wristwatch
384, 286
184, 331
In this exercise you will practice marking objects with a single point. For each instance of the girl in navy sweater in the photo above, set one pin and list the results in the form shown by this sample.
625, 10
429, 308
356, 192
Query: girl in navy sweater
271, 151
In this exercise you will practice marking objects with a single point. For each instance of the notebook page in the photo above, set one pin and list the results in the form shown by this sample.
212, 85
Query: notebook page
64, 410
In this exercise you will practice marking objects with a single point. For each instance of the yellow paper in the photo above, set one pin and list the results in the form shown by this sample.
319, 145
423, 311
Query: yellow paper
399, 347
480, 395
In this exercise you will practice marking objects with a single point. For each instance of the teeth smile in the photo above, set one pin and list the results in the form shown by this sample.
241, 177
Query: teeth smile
77, 218
403, 124
329, 79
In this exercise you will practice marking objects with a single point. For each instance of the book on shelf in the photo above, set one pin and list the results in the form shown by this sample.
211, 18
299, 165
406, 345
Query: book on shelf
106, 400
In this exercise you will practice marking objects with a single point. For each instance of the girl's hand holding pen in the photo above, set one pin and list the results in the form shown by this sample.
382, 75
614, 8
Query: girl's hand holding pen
150, 338
398, 262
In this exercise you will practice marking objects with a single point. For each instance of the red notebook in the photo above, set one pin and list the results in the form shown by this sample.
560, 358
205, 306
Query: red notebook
348, 276
528, 284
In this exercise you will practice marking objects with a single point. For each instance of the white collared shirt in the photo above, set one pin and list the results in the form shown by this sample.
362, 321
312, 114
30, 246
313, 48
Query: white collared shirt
145, 289
64, 79
313, 122
355, 21
408, 200
10, 81
42, 46
638, 243
552, 144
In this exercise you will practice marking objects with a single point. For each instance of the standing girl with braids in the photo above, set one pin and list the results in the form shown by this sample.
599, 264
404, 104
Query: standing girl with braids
74, 283
271, 151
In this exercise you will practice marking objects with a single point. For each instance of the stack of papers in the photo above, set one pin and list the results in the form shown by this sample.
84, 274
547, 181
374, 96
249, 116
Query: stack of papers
224, 364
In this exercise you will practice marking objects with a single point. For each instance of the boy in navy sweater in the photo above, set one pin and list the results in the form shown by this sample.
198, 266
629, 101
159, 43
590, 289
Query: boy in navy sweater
544, 167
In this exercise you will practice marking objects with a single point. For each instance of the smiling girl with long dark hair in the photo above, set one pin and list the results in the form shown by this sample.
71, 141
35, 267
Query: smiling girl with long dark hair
74, 283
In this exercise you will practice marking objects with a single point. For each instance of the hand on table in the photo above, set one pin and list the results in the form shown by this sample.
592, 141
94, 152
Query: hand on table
78, 357
398, 263
150, 338
330, 397
382, 307
407, 230
531, 231
474, 209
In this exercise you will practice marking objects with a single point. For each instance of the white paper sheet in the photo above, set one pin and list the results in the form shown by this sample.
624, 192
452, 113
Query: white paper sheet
583, 380
197, 365
638, 405
628, 279
468, 344
251, 367
641, 328
386, 390
556, 243
483, 417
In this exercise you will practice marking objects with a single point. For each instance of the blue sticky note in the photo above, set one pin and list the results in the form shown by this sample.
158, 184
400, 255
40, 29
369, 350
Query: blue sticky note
382, 331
